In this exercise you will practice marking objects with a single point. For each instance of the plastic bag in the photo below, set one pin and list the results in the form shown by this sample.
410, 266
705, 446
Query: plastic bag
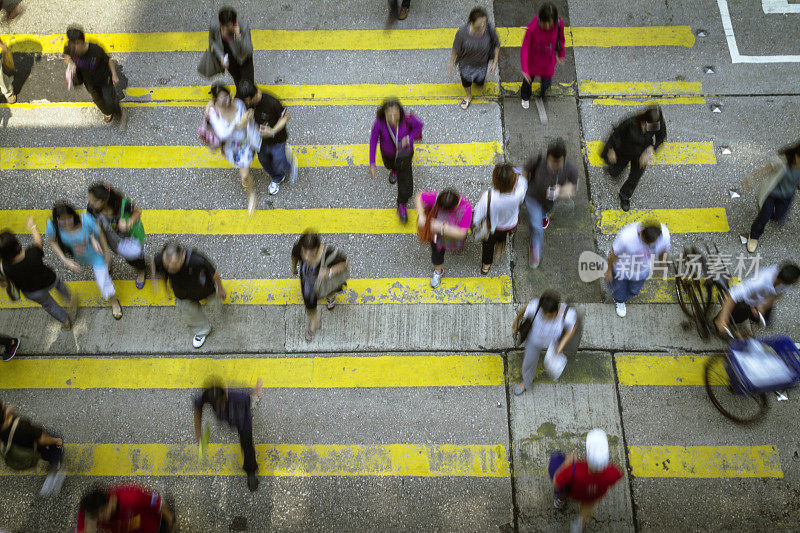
554, 363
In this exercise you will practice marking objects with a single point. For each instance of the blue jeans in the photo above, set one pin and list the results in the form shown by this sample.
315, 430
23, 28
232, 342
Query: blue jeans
623, 289
773, 209
273, 159
535, 216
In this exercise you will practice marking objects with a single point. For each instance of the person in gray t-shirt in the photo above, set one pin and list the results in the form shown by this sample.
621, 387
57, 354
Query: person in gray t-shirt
476, 42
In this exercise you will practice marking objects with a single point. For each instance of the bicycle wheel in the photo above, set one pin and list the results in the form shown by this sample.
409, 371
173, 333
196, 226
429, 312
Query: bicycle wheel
683, 298
698, 312
741, 408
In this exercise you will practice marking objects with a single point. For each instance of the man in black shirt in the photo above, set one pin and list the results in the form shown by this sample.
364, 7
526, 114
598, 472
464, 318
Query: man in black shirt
193, 278
634, 141
92, 67
271, 117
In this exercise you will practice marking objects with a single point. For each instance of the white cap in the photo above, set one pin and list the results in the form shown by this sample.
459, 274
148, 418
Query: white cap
597, 449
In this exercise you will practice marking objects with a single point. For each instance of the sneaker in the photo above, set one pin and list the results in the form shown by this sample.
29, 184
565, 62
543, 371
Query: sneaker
402, 213
66, 326
393, 177
558, 503
52, 484
624, 203
108, 118
252, 482
436, 279
526, 104
545, 221
12, 351
199, 340
273, 187
621, 309
577, 525
403, 13
752, 244
11, 99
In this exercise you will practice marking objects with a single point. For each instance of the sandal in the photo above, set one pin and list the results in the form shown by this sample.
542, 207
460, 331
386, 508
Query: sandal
465, 103
485, 270
331, 303
116, 315
309, 335
140, 283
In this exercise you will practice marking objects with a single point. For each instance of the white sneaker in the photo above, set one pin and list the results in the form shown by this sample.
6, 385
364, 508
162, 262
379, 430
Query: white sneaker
273, 187
52, 484
621, 309
436, 279
577, 525
199, 340
526, 104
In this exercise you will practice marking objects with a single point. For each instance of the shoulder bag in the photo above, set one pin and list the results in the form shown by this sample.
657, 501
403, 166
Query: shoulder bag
524, 327
324, 285
484, 228
18, 457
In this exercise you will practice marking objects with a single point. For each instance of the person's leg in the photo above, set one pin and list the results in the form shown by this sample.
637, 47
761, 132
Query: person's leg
194, 316
405, 180
250, 465
43, 298
487, 252
535, 216
97, 97
389, 164
393, 11
634, 287
110, 98
626, 192
7, 86
545, 85
7, 343
107, 290
526, 90
437, 258
530, 362
781, 208
764, 215
247, 71
619, 289
247, 182
467, 89
279, 165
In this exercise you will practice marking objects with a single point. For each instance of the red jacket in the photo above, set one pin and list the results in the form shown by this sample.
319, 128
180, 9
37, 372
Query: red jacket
539, 49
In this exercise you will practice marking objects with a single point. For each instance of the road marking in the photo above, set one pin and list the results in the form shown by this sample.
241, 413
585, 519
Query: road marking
779, 6
475, 290
284, 460
640, 88
670, 153
335, 155
283, 372
675, 100
733, 48
238, 222
699, 220
705, 461
660, 370
417, 39
660, 290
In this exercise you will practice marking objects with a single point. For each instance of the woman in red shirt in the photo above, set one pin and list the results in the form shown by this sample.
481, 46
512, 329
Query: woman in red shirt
544, 39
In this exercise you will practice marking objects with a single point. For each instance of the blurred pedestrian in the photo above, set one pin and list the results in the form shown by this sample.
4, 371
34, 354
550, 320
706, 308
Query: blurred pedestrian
13, 10
634, 141
500, 206
78, 241
193, 278
236, 129
125, 508
752, 300
550, 322
630, 260
10, 347
476, 43
122, 225
24, 443
275, 155
443, 220
395, 132
324, 270
395, 14
6, 73
551, 178
542, 47
27, 271
585, 481
230, 48
779, 182
89, 64
233, 407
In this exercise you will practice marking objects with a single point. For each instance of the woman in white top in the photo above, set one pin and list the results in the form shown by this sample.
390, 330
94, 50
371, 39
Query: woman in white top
234, 126
553, 322
508, 193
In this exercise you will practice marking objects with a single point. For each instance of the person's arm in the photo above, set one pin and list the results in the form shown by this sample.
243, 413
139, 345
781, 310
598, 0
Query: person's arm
198, 419
725, 313
449, 231
515, 324
415, 126
281, 122
335, 270
103, 245
495, 41
562, 43
218, 284
479, 212
46, 440
525, 52
69, 263
612, 258
566, 338
215, 41
112, 67
558, 483
126, 224
242, 42
453, 58
495, 60
374, 136
37, 237
661, 134
420, 207
566, 190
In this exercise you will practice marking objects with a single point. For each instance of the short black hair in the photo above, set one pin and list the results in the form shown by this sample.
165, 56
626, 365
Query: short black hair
309, 241
93, 501
388, 103
64, 209
477, 13
105, 192
557, 149
218, 88
172, 249
789, 273
548, 13
227, 15
651, 115
790, 152
214, 395
447, 200
245, 89
75, 34
9, 246
651, 232
549, 301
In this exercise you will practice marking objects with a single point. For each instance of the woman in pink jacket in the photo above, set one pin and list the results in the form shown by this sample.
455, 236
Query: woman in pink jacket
544, 39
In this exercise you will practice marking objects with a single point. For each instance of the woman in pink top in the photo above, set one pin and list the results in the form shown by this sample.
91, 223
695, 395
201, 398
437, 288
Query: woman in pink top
452, 215
543, 39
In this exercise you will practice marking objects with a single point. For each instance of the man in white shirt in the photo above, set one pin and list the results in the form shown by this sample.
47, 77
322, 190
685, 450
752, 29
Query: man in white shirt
631, 257
755, 297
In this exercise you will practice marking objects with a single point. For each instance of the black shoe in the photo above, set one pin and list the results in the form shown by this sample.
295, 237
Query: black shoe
625, 203
252, 482
393, 177
12, 350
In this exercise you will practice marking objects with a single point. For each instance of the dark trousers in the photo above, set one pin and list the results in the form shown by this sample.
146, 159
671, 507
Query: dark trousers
52, 454
741, 312
139, 263
405, 178
245, 71
527, 88
104, 97
773, 209
5, 342
633, 178
393, 11
487, 247
248, 450
437, 255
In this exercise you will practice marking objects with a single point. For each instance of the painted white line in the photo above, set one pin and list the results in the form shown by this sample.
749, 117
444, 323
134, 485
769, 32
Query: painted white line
736, 57
779, 6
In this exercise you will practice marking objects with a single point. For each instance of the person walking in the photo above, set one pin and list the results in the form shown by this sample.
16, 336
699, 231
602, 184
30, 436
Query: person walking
89, 64
24, 443
6, 73
443, 220
193, 278
551, 323
230, 48
752, 300
630, 260
395, 14
78, 237
324, 270
234, 126
10, 347
27, 271
395, 132
125, 508
13, 10
501, 205
551, 178
275, 155
634, 141
585, 481
233, 407
780, 180
542, 47
476, 43
122, 225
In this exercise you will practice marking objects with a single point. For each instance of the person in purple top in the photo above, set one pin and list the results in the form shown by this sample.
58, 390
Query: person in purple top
396, 131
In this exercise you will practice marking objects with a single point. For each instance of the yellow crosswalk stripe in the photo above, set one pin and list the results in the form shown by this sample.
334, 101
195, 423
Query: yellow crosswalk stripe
640, 88
697, 220
278, 372
705, 461
415, 39
284, 460
287, 292
670, 153
661, 370
335, 155
661, 290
